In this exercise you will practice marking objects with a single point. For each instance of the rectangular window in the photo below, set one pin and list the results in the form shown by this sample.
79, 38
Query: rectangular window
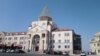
29, 35
98, 51
9, 43
98, 44
15, 38
15, 43
66, 34
43, 35
9, 38
67, 41
52, 46
59, 46
59, 35
59, 41
43, 41
0, 38
21, 38
52, 41
53, 35
21, 42
68, 46
0, 35
65, 46
29, 42
94, 44
24, 47
5, 38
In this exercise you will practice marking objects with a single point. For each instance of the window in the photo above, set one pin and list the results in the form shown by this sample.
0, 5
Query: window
29, 35
21, 38
24, 42
68, 46
37, 42
59, 46
0, 34
94, 44
66, 34
0, 38
5, 38
43, 35
52, 41
29, 42
98, 44
9, 43
15, 43
53, 35
15, 38
59, 41
43, 41
67, 41
59, 35
98, 51
9, 38
52, 46
21, 42
65, 46
24, 47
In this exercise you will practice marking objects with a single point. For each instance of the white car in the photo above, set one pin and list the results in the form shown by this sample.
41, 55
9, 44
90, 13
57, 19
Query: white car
83, 54
65, 54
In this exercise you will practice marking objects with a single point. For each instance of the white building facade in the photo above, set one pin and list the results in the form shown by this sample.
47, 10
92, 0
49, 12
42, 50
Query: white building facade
16, 38
44, 34
95, 44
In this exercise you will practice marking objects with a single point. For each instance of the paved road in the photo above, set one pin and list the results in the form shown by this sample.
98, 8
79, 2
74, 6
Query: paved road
25, 54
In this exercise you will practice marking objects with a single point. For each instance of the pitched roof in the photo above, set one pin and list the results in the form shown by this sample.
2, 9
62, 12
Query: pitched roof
14, 33
62, 29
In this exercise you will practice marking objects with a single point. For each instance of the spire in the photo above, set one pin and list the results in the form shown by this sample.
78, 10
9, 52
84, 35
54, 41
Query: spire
45, 12
45, 15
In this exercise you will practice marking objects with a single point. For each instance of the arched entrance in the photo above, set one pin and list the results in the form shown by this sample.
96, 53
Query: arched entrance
36, 41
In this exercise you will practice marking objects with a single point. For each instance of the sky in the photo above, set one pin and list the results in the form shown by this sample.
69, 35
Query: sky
83, 16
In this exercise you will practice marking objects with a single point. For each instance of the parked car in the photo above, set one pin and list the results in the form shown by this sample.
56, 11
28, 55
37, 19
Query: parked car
1, 50
83, 54
58, 53
65, 54
19, 51
8, 51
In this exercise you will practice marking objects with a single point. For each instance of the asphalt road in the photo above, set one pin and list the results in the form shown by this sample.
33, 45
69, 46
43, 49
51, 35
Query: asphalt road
25, 54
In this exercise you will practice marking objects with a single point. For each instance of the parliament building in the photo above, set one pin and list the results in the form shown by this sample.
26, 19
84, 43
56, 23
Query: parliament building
44, 34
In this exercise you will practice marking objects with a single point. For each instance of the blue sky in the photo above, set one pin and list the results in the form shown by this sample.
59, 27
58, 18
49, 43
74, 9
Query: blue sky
81, 15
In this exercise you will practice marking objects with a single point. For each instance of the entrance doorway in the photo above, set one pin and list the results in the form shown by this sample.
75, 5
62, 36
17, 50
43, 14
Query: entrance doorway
37, 48
36, 41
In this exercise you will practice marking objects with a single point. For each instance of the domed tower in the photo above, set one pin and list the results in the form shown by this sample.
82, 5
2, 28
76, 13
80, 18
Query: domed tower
45, 16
